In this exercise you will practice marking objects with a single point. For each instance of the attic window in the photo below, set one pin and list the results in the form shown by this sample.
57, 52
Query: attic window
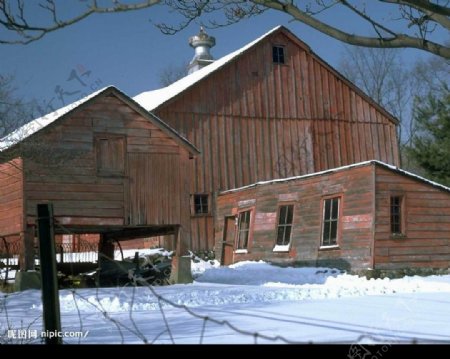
110, 154
278, 54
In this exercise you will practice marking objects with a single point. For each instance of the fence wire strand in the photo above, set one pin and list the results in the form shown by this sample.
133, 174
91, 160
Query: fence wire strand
162, 304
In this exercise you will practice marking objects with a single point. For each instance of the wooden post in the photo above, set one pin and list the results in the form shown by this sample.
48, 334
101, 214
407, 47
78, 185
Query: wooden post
49, 282
181, 265
27, 251
61, 253
105, 249
7, 259
105, 257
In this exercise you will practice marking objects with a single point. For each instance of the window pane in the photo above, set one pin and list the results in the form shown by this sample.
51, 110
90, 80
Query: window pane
284, 229
290, 214
244, 229
280, 235
281, 56
396, 227
287, 235
244, 223
243, 239
335, 208
333, 232
275, 54
326, 233
282, 218
201, 203
330, 221
278, 54
327, 213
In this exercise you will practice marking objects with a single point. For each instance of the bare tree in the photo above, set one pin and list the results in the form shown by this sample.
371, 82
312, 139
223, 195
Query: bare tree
419, 20
385, 77
15, 116
172, 73
14, 112
382, 75
431, 75
389, 80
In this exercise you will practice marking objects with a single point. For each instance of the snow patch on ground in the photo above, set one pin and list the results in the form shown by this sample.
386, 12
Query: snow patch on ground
244, 282
260, 273
200, 266
300, 304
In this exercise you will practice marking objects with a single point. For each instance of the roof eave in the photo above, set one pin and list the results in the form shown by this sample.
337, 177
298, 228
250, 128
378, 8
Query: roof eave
111, 90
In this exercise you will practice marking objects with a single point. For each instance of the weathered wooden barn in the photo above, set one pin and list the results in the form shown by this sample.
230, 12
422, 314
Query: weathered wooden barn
271, 109
107, 165
366, 215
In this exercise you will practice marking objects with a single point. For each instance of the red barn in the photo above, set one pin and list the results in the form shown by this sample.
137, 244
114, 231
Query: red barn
271, 109
107, 165
366, 215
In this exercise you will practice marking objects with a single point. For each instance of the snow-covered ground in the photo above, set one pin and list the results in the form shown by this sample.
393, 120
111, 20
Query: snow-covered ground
248, 302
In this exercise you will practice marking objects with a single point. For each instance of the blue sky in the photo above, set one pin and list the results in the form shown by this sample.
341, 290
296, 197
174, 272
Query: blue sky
128, 51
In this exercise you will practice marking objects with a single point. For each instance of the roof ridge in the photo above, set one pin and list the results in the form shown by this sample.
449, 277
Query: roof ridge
150, 100
35, 125
338, 169
32, 127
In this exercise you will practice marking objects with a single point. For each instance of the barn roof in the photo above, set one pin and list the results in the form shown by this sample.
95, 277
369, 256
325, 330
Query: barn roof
151, 100
343, 168
30, 128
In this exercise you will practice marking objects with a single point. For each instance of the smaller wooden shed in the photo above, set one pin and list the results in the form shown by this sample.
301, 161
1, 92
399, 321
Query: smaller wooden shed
369, 215
107, 165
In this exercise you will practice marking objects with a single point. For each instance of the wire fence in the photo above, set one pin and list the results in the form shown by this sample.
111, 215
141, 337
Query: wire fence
138, 312
91, 315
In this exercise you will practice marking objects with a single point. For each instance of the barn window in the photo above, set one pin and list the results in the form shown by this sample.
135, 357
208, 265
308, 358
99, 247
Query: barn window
330, 221
200, 204
396, 215
243, 234
278, 54
284, 230
110, 155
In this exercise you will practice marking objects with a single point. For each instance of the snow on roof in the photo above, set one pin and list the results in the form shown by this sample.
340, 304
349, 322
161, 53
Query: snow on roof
153, 99
34, 126
413, 175
337, 169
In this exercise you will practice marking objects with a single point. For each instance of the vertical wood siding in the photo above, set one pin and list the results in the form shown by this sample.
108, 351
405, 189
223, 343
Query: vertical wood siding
254, 120
11, 197
427, 224
354, 186
152, 190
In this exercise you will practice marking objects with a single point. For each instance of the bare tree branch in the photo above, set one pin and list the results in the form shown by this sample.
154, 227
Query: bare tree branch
14, 112
428, 5
397, 41
377, 26
383, 75
19, 24
419, 18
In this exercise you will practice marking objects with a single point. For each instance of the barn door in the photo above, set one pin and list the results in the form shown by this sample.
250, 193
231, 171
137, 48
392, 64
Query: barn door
228, 240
